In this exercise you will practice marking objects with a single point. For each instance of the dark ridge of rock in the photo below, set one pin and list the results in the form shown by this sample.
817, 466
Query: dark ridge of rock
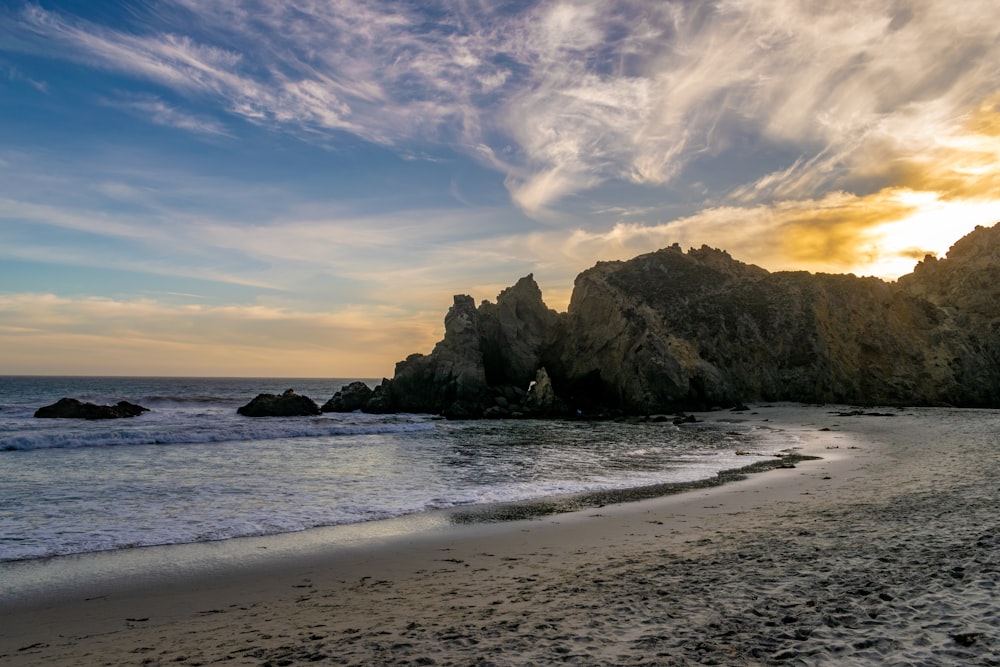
287, 404
670, 331
351, 397
72, 408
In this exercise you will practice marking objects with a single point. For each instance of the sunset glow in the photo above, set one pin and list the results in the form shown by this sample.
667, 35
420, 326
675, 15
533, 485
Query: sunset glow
272, 188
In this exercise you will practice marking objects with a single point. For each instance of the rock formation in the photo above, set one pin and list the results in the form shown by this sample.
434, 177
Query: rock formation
288, 404
486, 360
72, 408
351, 397
966, 287
699, 329
674, 330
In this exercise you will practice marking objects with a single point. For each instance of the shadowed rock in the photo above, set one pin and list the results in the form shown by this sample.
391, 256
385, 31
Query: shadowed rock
71, 408
288, 404
351, 397
674, 330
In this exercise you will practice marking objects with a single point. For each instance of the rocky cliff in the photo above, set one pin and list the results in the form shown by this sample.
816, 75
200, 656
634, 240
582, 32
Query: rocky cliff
488, 358
677, 330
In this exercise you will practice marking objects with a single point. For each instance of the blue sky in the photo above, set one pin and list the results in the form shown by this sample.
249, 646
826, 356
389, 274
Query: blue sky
298, 188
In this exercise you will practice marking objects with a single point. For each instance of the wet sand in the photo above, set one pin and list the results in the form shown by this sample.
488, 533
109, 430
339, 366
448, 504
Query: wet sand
885, 551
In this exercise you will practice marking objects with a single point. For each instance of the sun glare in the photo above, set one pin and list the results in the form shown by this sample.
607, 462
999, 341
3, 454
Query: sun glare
931, 229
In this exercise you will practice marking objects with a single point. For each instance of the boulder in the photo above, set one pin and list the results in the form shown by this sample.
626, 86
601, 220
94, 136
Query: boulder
287, 404
71, 408
351, 397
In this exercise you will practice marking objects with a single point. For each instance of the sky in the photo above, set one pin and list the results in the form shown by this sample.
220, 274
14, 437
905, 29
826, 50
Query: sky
297, 189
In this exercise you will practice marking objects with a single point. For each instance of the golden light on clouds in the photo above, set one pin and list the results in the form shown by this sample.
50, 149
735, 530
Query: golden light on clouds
938, 194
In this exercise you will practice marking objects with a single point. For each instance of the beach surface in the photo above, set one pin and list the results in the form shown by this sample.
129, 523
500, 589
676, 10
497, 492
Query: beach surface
884, 551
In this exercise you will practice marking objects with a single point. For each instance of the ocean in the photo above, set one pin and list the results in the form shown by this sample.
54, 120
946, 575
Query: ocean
192, 470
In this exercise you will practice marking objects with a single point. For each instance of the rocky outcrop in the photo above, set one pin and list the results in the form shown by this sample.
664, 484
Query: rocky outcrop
487, 358
72, 408
699, 329
287, 404
965, 286
515, 332
675, 330
351, 397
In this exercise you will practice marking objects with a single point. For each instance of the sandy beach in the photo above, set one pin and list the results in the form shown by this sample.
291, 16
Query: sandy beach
886, 551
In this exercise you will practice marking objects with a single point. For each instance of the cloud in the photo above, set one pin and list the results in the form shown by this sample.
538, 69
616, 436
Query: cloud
15, 74
882, 234
586, 92
161, 113
796, 135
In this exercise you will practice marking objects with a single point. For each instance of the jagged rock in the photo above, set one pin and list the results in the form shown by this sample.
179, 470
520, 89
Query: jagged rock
72, 408
287, 404
674, 330
514, 334
493, 345
351, 397
965, 286
452, 377
380, 401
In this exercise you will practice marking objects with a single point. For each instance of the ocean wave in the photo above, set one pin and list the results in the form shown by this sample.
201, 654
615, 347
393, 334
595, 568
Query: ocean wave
189, 399
230, 432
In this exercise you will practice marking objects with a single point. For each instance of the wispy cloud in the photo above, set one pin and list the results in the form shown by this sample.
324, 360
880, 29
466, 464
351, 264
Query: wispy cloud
585, 92
161, 113
12, 73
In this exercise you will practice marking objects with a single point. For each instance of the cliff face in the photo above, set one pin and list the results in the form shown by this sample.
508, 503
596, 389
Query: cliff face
966, 286
673, 330
700, 329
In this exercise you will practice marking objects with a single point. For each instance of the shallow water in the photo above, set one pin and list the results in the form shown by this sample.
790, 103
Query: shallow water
192, 470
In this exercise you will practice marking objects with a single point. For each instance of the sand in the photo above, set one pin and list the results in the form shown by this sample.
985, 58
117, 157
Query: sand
885, 552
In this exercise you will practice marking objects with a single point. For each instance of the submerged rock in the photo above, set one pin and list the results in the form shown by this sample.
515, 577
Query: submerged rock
72, 408
288, 404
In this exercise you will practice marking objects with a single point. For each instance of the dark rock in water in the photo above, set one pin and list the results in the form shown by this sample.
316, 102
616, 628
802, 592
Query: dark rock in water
71, 408
351, 397
380, 401
288, 404
450, 379
966, 638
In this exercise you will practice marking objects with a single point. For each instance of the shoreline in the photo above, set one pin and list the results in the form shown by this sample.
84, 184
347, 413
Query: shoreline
33, 580
452, 594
